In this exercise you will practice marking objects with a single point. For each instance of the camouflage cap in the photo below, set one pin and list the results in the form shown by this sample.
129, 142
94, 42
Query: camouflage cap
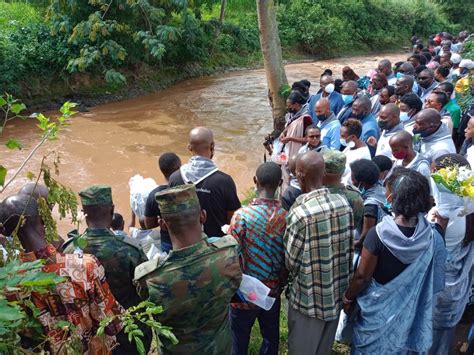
96, 195
177, 199
335, 161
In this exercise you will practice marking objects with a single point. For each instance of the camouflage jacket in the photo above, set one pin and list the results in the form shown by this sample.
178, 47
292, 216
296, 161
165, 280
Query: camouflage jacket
355, 200
119, 256
194, 285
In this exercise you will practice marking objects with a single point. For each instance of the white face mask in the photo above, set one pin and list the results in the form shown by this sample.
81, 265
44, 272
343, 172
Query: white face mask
347, 144
329, 88
404, 116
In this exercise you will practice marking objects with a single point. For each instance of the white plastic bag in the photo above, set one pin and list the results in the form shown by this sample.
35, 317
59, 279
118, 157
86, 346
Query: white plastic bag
255, 291
140, 188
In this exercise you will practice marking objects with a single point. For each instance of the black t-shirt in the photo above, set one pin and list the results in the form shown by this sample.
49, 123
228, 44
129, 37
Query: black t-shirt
371, 210
388, 266
289, 197
217, 195
153, 210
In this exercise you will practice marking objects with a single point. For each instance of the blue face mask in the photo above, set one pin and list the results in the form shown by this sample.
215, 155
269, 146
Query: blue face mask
347, 99
321, 117
404, 116
399, 75
387, 205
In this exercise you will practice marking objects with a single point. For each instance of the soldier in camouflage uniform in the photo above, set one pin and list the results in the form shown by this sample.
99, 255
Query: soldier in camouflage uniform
119, 255
335, 163
195, 282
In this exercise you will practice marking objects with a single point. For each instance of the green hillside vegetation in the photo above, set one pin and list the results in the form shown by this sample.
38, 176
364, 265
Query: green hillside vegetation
97, 46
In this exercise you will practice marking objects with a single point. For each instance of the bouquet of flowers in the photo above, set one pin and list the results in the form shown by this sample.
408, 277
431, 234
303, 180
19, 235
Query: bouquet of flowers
456, 188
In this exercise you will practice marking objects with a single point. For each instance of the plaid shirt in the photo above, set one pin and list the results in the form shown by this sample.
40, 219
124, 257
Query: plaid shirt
319, 251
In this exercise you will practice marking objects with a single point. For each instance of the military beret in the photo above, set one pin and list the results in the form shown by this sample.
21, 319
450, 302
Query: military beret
96, 195
177, 199
335, 161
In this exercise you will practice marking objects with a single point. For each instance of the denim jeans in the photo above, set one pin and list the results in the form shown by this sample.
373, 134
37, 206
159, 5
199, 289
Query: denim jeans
241, 324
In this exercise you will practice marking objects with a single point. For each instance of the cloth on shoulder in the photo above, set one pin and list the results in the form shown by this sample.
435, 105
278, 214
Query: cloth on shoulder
398, 316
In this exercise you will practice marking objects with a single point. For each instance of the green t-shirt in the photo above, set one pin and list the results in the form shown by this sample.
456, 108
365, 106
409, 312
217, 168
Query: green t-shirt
453, 108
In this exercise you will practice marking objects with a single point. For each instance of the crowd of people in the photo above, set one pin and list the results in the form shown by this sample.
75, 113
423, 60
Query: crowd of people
346, 224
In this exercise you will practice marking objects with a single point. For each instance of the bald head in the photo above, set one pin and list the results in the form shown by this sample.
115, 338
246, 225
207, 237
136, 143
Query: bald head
310, 170
326, 79
389, 116
385, 66
427, 121
407, 68
361, 107
292, 164
322, 109
401, 137
13, 207
349, 87
35, 190
201, 142
401, 144
404, 85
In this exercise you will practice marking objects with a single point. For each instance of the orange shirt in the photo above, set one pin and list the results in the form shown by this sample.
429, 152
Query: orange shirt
83, 299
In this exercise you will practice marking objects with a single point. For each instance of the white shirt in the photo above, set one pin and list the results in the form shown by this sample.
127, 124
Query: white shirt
351, 156
383, 146
470, 156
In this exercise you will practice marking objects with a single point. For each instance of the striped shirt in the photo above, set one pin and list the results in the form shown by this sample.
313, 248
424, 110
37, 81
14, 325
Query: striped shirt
259, 229
319, 251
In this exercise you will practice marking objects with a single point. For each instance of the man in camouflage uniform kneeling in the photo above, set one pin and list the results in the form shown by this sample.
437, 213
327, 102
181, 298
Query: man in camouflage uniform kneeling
197, 280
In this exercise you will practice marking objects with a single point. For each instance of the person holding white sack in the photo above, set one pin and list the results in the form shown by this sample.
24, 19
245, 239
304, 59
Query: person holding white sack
149, 239
455, 212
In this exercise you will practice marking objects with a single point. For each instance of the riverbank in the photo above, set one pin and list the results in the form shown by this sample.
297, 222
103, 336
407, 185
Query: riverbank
89, 91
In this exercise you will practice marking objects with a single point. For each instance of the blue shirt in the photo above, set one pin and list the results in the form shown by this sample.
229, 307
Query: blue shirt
370, 128
331, 132
345, 113
335, 102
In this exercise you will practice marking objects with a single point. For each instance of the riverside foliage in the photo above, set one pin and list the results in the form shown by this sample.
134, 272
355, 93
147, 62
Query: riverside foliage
42, 42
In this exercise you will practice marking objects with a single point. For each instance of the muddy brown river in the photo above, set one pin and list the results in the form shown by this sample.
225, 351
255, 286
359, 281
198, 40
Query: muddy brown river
113, 142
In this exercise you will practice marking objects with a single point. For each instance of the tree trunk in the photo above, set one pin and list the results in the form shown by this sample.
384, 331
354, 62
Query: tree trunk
222, 15
272, 59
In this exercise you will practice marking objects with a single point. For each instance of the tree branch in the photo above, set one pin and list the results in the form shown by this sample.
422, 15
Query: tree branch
33, 151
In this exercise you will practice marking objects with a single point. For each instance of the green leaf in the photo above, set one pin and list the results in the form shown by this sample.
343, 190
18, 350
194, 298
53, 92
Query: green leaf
3, 102
13, 144
17, 108
139, 345
3, 175
10, 312
114, 77
30, 175
284, 91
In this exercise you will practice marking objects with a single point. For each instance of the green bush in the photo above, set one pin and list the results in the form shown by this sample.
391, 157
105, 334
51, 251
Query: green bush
328, 27
27, 49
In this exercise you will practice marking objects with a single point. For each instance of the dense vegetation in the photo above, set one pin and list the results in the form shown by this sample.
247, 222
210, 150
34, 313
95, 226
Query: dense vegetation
47, 45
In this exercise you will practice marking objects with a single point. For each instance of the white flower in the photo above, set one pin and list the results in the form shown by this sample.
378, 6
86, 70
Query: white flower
464, 173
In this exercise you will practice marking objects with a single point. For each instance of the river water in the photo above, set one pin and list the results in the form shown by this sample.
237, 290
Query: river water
113, 142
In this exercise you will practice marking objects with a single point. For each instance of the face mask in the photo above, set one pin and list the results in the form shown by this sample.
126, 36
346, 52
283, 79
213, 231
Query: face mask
291, 110
400, 154
387, 205
321, 117
329, 88
346, 143
404, 116
383, 125
361, 189
347, 99
421, 133
399, 75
